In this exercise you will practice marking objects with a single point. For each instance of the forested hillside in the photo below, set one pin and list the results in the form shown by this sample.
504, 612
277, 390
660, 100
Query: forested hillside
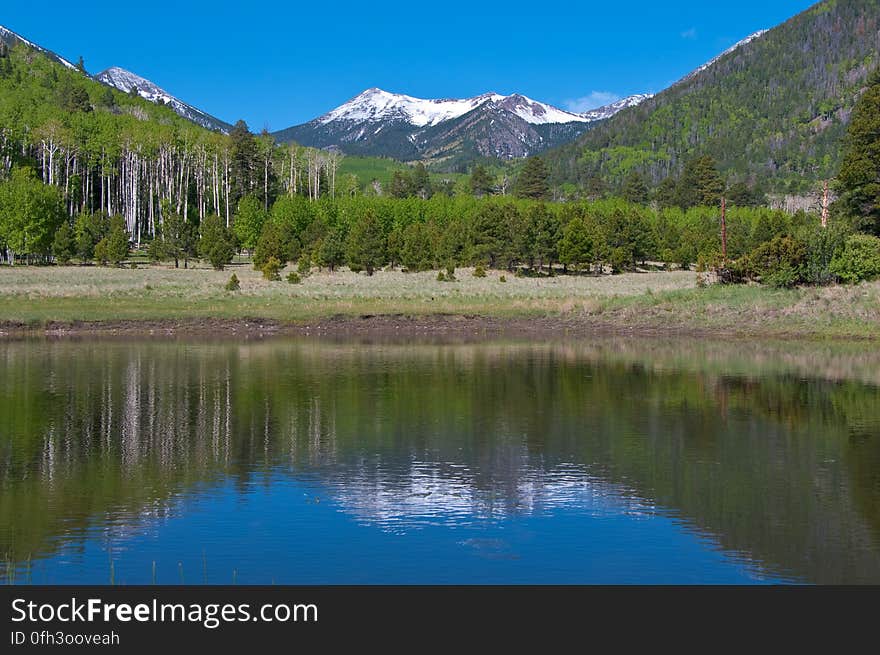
103, 150
774, 110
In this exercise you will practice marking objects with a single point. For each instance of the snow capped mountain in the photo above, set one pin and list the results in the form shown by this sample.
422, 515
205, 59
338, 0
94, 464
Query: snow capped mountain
381, 123
375, 105
608, 111
125, 81
10, 39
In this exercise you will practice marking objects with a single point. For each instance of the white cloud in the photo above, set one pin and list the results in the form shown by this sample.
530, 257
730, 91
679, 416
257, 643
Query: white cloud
592, 101
690, 33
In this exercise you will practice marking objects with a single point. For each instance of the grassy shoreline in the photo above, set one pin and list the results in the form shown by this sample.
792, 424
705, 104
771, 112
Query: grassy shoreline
84, 299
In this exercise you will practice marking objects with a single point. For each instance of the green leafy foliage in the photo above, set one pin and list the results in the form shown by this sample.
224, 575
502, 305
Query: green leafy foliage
249, 220
30, 212
366, 244
858, 260
778, 263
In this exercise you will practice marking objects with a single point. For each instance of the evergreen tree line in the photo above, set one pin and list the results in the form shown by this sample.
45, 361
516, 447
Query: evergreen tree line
519, 235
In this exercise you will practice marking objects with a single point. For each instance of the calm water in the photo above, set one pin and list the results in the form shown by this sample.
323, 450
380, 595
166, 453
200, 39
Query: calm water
318, 462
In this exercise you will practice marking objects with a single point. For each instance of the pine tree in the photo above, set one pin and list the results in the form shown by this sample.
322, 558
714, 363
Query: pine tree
700, 183
272, 242
107, 98
858, 181
178, 236
482, 183
365, 249
576, 246
492, 233
416, 253
332, 251
81, 66
421, 182
635, 189
113, 248
64, 245
532, 181
665, 192
741, 194
216, 244
245, 162
596, 188
401, 185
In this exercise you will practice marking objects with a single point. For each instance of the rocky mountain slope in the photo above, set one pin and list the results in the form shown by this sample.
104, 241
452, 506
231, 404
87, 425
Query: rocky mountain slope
449, 131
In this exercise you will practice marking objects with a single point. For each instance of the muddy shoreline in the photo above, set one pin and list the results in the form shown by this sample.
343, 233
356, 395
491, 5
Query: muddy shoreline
382, 326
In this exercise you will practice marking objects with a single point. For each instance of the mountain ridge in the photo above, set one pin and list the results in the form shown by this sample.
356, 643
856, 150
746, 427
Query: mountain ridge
10, 38
450, 130
124, 80
772, 111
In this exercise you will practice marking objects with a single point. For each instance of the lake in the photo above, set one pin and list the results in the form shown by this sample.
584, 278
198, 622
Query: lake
318, 461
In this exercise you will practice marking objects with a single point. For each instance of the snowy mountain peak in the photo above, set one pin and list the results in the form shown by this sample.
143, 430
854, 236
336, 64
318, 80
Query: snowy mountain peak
124, 80
380, 123
375, 105
378, 106
609, 110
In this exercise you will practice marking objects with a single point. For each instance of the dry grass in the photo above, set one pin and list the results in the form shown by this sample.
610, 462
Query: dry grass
653, 301
160, 281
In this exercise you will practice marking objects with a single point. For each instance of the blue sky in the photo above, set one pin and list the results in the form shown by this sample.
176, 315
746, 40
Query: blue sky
277, 64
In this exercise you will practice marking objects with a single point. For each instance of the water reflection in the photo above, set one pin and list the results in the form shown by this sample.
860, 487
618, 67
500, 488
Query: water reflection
607, 461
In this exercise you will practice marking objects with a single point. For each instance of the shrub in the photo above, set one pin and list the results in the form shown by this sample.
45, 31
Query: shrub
304, 267
619, 259
858, 260
233, 284
822, 244
778, 263
503, 278
480, 271
685, 257
441, 276
294, 278
271, 269
736, 272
